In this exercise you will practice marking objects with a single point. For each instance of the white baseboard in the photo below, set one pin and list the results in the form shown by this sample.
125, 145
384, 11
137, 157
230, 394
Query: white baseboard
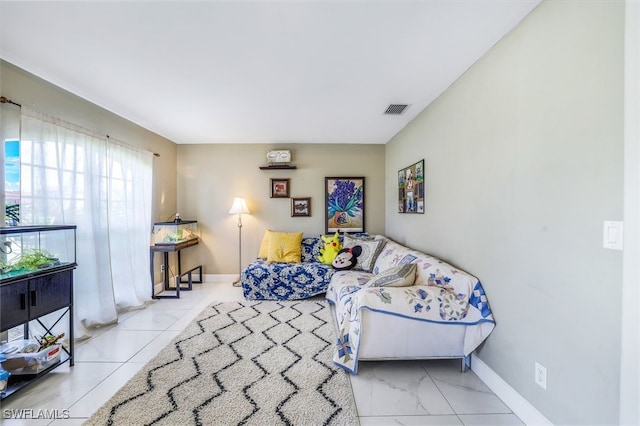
158, 287
207, 278
220, 278
520, 406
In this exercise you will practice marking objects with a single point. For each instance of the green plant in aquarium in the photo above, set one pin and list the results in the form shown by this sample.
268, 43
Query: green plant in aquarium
4, 267
175, 236
37, 259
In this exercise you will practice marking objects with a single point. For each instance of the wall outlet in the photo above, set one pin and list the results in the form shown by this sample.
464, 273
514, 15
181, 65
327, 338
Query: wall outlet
162, 268
541, 375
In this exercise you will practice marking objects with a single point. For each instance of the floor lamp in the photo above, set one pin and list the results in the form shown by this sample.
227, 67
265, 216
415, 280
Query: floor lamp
239, 207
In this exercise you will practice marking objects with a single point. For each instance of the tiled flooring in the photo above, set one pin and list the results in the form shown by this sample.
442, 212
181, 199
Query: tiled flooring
386, 393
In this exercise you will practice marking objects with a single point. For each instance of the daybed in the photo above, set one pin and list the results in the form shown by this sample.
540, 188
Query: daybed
288, 281
439, 312
444, 314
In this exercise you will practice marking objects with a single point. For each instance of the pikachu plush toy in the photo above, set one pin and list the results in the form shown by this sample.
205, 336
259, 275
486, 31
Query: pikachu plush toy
332, 246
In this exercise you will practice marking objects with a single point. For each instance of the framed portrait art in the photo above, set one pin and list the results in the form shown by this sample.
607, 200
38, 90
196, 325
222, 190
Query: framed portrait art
344, 204
301, 207
279, 188
411, 188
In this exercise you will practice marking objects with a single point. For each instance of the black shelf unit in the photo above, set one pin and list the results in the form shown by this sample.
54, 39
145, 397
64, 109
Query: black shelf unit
29, 296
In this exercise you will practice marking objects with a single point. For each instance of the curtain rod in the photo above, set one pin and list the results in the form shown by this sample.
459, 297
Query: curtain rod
5, 100
9, 101
118, 141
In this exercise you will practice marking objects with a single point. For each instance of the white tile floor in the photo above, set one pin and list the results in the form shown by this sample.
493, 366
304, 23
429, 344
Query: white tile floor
386, 393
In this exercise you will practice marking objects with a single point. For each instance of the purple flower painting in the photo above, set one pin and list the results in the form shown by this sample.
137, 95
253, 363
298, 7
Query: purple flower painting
345, 204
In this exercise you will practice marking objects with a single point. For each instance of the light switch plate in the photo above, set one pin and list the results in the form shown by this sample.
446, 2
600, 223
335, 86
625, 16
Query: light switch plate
612, 235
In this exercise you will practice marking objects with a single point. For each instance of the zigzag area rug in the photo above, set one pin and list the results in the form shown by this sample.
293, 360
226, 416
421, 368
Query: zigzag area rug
241, 363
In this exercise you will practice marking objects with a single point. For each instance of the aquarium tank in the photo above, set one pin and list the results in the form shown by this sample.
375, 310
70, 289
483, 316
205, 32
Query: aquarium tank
175, 232
27, 250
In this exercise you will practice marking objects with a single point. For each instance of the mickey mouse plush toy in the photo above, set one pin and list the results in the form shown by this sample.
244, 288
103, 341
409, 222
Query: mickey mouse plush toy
347, 258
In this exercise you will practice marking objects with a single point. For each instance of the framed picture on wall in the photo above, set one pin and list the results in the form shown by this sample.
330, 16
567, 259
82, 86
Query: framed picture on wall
344, 204
411, 188
301, 207
279, 188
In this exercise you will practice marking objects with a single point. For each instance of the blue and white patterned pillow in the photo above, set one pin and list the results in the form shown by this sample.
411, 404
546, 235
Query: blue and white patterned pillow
311, 248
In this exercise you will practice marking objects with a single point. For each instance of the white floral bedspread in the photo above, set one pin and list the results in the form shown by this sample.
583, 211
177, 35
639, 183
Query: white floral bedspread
445, 295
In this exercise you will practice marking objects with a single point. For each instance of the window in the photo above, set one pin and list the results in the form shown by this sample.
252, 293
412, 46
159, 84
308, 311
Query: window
12, 182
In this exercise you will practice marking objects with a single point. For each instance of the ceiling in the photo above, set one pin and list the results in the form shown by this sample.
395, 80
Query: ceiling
256, 71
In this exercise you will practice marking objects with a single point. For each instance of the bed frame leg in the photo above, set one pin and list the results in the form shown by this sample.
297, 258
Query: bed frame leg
466, 363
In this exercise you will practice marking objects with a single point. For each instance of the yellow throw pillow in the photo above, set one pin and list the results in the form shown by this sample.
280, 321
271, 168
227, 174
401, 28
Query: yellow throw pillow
285, 247
263, 253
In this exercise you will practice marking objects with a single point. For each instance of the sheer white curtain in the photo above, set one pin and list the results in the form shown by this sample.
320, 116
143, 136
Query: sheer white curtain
71, 176
129, 188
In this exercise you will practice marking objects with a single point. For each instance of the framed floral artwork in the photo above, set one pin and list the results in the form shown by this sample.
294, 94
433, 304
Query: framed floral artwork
411, 188
279, 188
301, 206
344, 204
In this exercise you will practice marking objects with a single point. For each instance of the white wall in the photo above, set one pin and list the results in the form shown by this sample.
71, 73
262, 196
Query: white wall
524, 162
200, 181
210, 176
630, 362
40, 95
27, 89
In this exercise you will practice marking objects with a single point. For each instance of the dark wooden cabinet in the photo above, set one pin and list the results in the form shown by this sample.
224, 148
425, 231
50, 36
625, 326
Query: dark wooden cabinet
13, 305
28, 299
50, 293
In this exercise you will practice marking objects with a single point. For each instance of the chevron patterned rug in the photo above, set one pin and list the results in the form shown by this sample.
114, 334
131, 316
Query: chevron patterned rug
241, 363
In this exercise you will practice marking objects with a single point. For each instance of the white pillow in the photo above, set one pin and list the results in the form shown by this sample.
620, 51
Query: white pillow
397, 276
371, 249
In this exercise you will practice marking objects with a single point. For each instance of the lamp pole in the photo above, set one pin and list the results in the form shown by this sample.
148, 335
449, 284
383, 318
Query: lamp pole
239, 206
237, 282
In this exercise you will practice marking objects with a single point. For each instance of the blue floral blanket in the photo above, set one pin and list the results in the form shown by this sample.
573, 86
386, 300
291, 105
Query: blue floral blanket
285, 281
288, 281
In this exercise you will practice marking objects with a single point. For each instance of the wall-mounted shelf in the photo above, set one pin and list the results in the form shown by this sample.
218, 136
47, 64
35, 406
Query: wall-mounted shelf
278, 167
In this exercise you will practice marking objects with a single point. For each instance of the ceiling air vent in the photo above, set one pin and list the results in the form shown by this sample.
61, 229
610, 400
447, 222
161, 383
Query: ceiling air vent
395, 109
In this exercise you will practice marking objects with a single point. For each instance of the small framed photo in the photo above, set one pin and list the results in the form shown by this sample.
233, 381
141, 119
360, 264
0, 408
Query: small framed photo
279, 188
301, 207
411, 188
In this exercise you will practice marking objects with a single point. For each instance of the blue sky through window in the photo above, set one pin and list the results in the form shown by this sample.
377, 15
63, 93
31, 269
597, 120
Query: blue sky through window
12, 171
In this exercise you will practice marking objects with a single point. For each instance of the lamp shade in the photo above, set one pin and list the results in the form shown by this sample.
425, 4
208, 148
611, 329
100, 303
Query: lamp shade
239, 206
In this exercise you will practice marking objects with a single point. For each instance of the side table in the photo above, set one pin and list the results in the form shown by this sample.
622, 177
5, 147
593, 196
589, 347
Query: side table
165, 249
